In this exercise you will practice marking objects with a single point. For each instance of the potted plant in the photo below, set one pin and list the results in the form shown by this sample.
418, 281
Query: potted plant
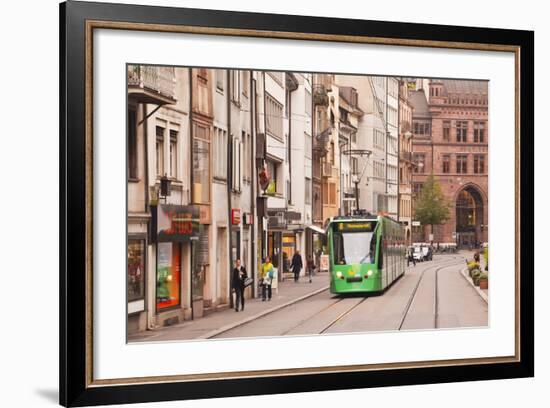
475, 276
483, 281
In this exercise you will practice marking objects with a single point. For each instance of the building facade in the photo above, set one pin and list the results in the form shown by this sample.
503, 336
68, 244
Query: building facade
450, 140
405, 159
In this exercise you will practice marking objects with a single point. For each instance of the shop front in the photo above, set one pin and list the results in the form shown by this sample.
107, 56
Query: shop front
175, 230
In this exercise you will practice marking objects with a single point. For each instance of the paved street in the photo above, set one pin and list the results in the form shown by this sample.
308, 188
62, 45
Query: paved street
430, 295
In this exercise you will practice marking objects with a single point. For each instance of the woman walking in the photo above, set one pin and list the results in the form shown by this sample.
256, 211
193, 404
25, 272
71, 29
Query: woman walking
239, 276
267, 277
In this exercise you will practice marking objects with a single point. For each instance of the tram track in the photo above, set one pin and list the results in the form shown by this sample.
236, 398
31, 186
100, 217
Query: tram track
442, 264
435, 268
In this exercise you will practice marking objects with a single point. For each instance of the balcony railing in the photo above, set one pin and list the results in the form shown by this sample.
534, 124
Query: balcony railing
152, 84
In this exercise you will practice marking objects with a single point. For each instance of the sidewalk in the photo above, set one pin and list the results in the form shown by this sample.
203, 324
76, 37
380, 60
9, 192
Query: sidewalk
484, 293
215, 323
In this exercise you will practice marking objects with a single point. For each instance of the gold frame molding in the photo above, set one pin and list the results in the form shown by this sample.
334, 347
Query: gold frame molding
91, 25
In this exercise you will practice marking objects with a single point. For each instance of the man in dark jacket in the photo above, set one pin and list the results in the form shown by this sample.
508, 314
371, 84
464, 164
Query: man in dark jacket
296, 265
239, 276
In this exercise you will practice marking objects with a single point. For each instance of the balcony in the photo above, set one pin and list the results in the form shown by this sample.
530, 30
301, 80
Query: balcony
152, 84
320, 95
320, 142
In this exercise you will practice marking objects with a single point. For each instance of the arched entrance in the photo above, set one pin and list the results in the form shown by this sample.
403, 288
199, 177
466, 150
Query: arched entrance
469, 217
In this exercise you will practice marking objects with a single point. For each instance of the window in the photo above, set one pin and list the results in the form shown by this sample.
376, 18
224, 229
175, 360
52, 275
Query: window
245, 82
173, 154
353, 98
219, 79
329, 193
220, 154
354, 137
136, 269
273, 171
421, 128
479, 164
132, 145
461, 131
479, 132
308, 103
332, 193
201, 164
332, 152
235, 84
392, 173
378, 169
446, 131
307, 146
344, 115
417, 188
308, 190
420, 162
247, 156
236, 165
462, 163
446, 163
379, 139
160, 151
274, 117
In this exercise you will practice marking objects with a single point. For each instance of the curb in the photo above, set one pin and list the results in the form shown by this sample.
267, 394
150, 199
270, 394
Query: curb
261, 314
482, 295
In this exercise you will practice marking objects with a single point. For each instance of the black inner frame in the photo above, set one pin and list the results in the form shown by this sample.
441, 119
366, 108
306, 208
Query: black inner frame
73, 390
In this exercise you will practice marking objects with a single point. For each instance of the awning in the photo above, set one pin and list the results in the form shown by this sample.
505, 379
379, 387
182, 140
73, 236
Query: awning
316, 229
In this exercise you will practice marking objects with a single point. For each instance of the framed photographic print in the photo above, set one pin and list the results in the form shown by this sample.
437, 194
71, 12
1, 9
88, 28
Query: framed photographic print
255, 203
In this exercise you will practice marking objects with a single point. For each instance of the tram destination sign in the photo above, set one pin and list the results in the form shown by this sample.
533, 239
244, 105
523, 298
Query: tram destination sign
356, 226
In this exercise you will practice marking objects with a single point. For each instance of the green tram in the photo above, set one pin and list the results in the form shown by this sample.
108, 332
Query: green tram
366, 253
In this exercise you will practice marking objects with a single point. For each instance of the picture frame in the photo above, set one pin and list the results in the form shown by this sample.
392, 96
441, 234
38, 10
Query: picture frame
78, 20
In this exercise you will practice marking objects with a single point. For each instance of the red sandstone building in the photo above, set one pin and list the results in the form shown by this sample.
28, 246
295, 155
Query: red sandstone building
450, 139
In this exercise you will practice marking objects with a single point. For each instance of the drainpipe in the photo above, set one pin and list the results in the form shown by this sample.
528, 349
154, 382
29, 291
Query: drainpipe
253, 183
191, 188
264, 233
398, 149
229, 185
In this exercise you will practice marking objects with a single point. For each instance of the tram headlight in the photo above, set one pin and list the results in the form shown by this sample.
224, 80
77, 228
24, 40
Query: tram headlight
370, 272
339, 274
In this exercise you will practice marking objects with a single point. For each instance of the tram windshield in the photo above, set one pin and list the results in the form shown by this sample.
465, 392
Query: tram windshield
354, 247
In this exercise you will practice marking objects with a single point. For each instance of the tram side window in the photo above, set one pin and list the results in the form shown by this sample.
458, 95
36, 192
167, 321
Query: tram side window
338, 244
381, 255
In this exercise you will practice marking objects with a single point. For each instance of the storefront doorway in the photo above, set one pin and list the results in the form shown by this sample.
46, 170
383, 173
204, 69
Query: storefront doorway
289, 248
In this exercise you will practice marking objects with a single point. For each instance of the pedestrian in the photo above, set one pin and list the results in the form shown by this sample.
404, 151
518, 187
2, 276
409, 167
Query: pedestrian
296, 265
239, 276
310, 267
410, 257
267, 274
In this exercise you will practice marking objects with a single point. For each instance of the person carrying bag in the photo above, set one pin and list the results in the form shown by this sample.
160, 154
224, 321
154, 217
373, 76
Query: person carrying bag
267, 275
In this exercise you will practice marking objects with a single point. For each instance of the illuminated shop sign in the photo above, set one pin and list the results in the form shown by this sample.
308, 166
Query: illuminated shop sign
176, 223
